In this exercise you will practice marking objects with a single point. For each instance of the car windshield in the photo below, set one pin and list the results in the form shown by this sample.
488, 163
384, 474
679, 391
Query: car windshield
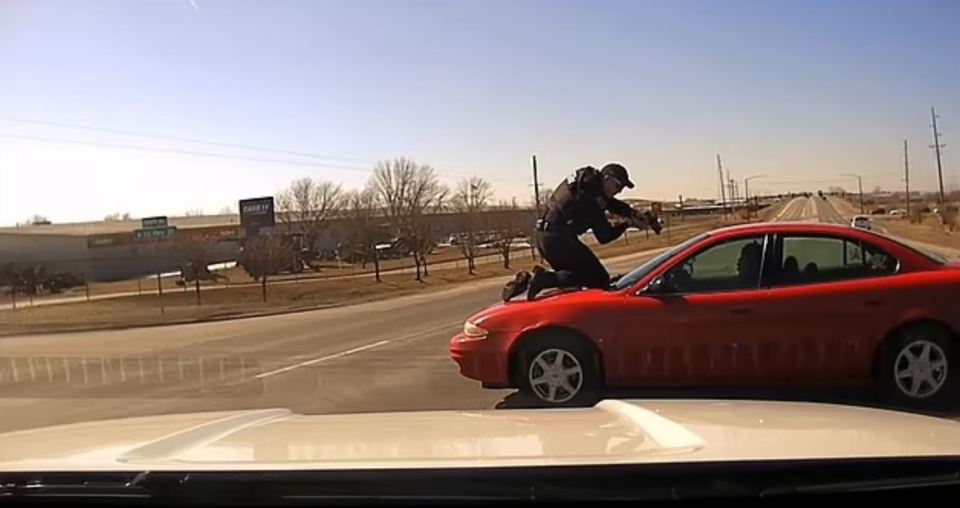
650, 265
315, 234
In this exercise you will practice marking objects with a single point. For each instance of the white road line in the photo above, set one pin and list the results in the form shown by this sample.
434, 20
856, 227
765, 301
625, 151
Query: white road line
786, 208
348, 352
321, 359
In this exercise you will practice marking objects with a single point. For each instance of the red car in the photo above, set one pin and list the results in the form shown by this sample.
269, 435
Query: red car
760, 305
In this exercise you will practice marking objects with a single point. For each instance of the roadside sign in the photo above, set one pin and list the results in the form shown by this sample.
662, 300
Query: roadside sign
155, 233
101, 241
153, 222
256, 214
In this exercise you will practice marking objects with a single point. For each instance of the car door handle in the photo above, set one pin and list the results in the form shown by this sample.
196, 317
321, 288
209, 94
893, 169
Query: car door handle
740, 311
873, 302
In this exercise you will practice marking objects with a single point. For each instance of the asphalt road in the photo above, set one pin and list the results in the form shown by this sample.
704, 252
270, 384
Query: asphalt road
380, 356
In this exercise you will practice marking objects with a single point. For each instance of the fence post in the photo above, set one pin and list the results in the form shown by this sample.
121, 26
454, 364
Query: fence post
86, 287
159, 293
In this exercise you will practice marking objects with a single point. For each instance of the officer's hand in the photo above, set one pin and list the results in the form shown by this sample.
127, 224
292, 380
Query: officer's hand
654, 222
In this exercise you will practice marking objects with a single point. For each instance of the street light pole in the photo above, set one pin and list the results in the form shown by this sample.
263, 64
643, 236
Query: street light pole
859, 187
746, 191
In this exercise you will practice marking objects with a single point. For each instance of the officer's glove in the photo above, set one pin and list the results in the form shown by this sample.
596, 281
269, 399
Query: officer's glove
654, 222
644, 220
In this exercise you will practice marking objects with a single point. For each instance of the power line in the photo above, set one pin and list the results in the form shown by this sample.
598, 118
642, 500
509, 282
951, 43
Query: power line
220, 155
255, 148
181, 152
126, 132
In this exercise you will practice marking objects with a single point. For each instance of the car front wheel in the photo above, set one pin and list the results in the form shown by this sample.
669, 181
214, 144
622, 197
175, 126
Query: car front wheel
919, 365
559, 372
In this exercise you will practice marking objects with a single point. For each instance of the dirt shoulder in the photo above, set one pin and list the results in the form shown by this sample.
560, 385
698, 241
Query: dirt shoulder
243, 301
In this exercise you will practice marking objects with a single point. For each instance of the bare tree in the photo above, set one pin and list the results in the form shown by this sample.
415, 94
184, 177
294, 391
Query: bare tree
263, 256
512, 224
117, 216
37, 219
196, 212
470, 201
408, 192
196, 254
307, 205
226, 210
364, 231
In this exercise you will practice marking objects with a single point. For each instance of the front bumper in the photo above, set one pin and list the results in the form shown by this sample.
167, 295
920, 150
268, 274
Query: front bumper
485, 360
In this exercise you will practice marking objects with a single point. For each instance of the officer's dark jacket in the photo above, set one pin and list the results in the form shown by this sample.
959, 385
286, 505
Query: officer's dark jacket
578, 204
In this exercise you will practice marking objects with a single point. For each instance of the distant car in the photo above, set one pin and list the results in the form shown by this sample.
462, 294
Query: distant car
898, 212
861, 222
754, 306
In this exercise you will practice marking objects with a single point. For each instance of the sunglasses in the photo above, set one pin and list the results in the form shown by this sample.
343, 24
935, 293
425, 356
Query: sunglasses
617, 180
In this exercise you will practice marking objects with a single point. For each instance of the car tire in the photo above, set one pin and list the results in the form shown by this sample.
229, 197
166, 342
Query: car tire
919, 366
574, 381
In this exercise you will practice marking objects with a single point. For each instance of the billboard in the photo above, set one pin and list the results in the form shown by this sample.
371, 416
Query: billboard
256, 213
153, 222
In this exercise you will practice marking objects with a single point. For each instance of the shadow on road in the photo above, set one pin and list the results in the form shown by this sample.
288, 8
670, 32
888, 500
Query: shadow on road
950, 409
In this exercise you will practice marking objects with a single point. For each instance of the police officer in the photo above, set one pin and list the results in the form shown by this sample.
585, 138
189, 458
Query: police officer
579, 203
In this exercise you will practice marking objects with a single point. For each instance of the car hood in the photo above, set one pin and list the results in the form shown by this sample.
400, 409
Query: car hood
612, 432
532, 311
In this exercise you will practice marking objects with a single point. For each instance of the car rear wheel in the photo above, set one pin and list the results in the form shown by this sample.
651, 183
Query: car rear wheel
559, 371
919, 365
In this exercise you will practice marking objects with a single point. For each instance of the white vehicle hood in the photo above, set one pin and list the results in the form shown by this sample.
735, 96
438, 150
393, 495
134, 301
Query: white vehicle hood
612, 432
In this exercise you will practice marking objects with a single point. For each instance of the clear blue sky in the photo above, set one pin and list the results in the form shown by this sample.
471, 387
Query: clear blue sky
797, 90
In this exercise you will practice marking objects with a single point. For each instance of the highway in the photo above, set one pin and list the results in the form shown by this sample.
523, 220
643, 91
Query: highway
381, 356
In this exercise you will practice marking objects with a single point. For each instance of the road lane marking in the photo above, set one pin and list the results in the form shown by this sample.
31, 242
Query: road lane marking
322, 359
786, 207
791, 207
358, 349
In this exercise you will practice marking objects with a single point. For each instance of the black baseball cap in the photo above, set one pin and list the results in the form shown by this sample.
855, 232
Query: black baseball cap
619, 172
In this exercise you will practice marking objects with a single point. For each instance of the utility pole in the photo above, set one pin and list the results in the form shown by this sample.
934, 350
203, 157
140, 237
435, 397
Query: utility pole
906, 175
860, 190
723, 193
536, 197
859, 187
746, 191
937, 146
536, 186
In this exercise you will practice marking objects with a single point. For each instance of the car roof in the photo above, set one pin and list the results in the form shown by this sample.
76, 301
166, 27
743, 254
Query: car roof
785, 227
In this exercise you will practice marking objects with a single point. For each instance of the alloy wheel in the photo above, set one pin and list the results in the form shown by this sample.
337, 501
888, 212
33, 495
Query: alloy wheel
920, 369
555, 375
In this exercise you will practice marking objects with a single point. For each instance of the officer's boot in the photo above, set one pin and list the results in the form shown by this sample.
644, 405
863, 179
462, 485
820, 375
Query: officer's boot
542, 279
517, 285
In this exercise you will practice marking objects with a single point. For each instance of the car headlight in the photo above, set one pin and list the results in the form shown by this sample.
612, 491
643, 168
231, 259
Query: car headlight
473, 331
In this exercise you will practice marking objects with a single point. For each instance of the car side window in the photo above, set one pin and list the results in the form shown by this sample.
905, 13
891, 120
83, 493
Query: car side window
727, 266
815, 259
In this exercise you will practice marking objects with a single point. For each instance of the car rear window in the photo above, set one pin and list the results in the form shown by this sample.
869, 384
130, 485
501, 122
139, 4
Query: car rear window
930, 256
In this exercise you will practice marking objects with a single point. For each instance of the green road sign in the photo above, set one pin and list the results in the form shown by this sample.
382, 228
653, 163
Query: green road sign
155, 233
